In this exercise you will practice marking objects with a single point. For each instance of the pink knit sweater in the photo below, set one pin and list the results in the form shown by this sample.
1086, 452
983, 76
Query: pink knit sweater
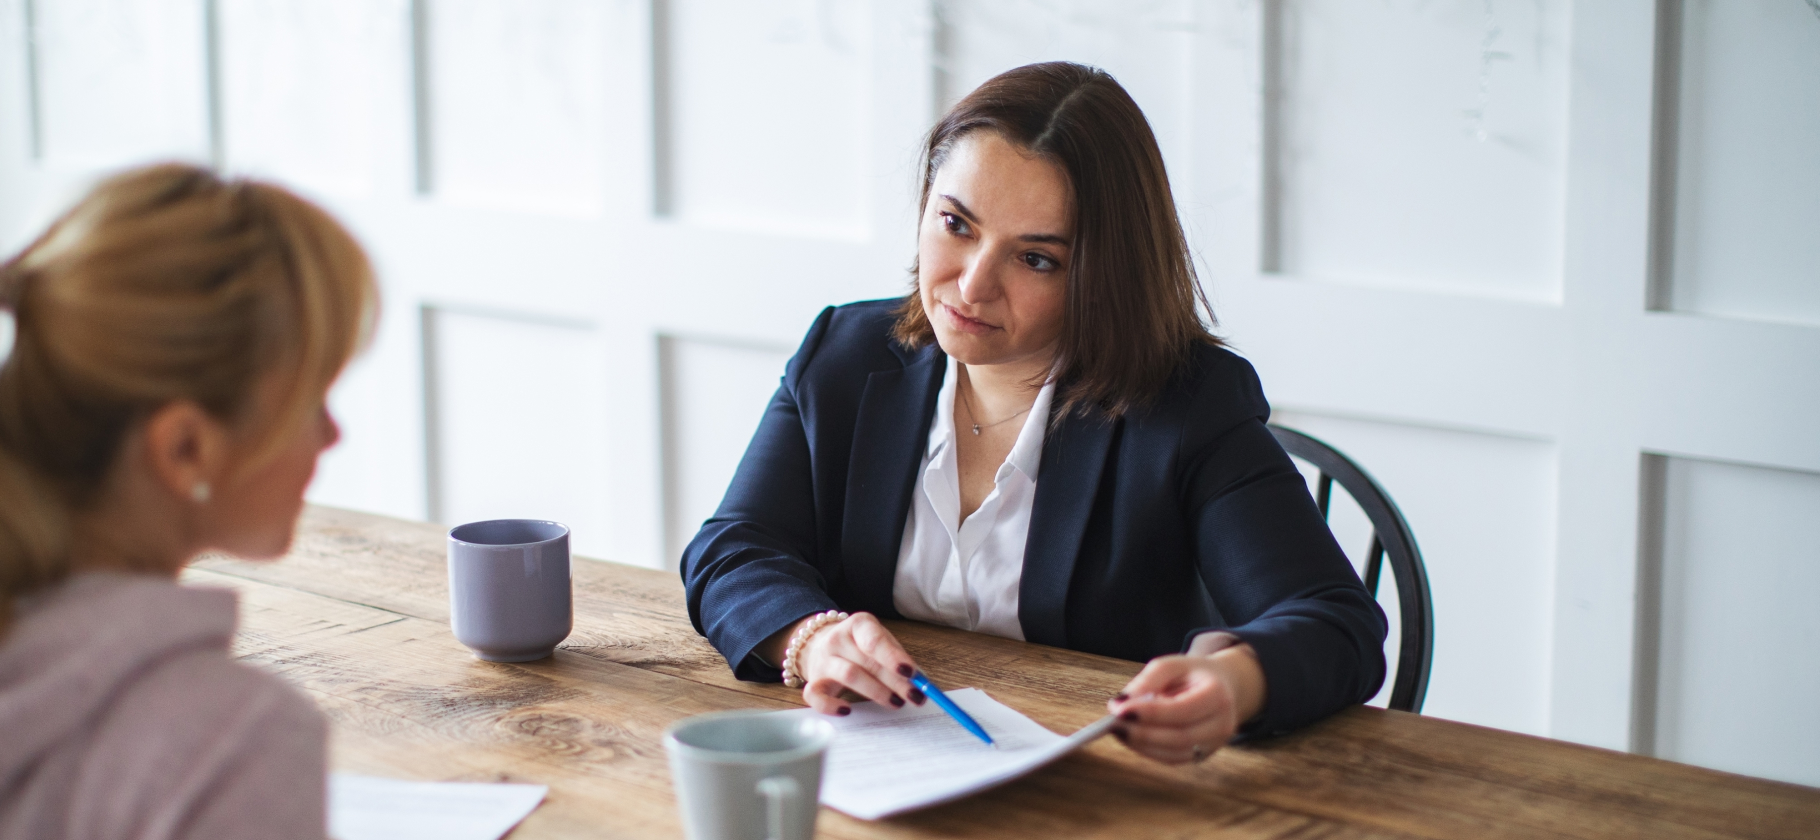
123, 718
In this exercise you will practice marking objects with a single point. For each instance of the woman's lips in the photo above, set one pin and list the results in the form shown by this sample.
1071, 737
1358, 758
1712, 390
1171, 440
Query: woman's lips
965, 324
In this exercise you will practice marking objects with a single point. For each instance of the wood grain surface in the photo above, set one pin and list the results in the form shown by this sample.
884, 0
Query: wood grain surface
357, 616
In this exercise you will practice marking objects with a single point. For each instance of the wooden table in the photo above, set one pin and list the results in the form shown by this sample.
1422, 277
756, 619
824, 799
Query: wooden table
358, 617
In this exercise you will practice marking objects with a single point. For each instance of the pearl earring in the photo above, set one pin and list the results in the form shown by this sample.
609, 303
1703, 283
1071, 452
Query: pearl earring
200, 492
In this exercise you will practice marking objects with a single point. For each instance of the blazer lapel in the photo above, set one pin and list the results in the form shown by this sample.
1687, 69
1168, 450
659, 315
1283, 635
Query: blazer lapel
889, 437
1074, 456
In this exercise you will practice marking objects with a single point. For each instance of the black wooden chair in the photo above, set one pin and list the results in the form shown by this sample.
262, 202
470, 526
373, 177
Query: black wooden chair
1390, 538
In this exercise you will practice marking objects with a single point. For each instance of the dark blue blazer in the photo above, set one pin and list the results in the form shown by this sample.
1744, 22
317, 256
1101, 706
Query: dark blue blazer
1182, 517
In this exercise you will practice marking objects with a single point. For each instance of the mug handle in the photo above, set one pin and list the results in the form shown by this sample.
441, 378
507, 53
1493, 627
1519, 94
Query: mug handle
780, 793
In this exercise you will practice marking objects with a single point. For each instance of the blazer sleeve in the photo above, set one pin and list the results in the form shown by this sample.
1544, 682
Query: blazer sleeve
751, 569
1277, 576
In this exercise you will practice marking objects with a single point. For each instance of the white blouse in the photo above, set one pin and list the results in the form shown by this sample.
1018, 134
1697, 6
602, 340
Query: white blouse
966, 573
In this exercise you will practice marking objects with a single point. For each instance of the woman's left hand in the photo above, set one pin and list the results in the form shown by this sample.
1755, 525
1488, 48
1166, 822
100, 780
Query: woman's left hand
1181, 708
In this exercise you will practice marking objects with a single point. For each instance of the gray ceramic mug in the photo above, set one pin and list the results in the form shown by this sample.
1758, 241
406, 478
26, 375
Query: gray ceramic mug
748, 775
509, 597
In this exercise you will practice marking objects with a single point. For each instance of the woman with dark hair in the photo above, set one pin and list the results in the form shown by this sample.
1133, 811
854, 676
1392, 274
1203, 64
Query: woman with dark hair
1055, 329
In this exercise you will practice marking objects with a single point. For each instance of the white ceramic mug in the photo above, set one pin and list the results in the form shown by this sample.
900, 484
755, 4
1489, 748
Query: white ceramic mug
749, 775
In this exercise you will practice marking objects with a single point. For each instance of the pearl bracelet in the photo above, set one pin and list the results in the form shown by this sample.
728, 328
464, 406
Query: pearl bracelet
793, 677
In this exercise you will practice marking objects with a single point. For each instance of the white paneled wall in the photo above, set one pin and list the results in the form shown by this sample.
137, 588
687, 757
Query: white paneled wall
312, 90
1740, 564
516, 96
1747, 193
381, 463
710, 389
738, 155
1502, 252
1375, 98
118, 82
515, 409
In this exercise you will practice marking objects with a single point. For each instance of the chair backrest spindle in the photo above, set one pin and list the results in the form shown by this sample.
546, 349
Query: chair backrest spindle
1374, 563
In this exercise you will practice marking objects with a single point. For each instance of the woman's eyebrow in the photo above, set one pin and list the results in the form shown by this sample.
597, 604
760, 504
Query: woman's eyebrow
961, 208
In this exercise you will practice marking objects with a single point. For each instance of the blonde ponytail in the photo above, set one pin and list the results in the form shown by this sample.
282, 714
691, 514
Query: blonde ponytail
34, 533
164, 283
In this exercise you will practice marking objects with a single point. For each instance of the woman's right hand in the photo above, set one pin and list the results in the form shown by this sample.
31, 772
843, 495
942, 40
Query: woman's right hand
860, 656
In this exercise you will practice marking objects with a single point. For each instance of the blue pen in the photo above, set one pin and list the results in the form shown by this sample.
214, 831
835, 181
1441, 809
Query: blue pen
948, 706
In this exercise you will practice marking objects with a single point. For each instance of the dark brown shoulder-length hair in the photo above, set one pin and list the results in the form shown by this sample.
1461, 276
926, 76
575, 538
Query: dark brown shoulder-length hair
1134, 307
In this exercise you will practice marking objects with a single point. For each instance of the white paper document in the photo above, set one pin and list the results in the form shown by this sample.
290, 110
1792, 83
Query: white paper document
887, 761
369, 808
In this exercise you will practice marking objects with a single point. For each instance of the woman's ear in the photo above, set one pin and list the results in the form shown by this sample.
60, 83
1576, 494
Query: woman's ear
186, 450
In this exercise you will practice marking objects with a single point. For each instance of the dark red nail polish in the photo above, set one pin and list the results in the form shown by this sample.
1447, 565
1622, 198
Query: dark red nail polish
897, 701
1129, 717
906, 670
1120, 697
844, 711
916, 696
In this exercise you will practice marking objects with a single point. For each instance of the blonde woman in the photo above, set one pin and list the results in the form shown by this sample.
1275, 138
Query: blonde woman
175, 334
